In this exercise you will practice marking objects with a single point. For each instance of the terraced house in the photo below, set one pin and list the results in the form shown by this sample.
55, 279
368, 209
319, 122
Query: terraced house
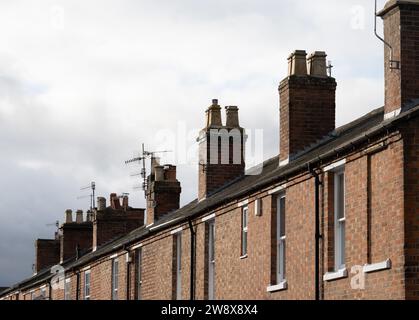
334, 216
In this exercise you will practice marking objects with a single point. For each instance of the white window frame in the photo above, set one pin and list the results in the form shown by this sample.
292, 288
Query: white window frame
211, 259
87, 287
178, 237
280, 241
340, 223
43, 292
67, 289
115, 278
244, 230
139, 272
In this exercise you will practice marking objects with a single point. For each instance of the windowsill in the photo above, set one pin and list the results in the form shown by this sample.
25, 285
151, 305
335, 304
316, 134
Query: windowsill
340, 274
278, 287
244, 257
384, 265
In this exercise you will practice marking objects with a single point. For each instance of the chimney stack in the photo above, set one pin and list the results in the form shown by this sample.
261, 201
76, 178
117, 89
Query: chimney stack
47, 253
163, 192
73, 234
221, 151
307, 104
401, 73
114, 221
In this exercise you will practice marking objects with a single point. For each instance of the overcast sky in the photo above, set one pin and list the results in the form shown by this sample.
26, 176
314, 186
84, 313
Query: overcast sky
84, 83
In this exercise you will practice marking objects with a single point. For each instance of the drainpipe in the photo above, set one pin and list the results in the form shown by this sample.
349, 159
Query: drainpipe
128, 260
192, 272
317, 235
77, 285
49, 290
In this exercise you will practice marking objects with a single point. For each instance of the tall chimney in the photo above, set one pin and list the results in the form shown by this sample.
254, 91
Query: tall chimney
221, 152
307, 104
47, 253
401, 73
163, 193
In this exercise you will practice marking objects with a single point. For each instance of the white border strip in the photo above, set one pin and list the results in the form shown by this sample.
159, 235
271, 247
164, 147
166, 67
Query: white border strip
211, 216
284, 162
113, 256
278, 189
243, 203
329, 276
384, 265
163, 224
334, 165
137, 246
176, 230
392, 114
86, 268
280, 286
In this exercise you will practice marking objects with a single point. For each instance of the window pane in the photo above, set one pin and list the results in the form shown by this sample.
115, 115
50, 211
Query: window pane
341, 196
342, 244
282, 217
244, 243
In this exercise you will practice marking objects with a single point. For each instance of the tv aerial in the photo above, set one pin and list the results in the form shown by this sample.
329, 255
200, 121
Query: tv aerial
141, 159
92, 187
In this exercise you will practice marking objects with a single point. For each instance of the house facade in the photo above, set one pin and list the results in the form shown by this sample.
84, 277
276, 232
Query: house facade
334, 216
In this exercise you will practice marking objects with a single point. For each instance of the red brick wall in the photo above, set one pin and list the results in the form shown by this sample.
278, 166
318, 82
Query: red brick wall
307, 112
400, 31
411, 207
74, 234
47, 253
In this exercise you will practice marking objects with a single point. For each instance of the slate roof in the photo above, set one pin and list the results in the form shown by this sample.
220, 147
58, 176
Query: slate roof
337, 142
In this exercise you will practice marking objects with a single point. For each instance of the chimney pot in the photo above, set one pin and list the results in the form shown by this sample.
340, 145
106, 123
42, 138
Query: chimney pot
297, 64
79, 216
125, 202
316, 64
101, 203
170, 173
159, 173
68, 216
232, 114
115, 204
213, 115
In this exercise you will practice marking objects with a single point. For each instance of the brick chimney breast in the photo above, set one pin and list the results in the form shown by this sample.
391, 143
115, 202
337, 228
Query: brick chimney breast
163, 193
401, 19
307, 104
221, 153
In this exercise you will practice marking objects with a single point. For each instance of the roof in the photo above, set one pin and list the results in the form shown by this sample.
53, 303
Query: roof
337, 142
